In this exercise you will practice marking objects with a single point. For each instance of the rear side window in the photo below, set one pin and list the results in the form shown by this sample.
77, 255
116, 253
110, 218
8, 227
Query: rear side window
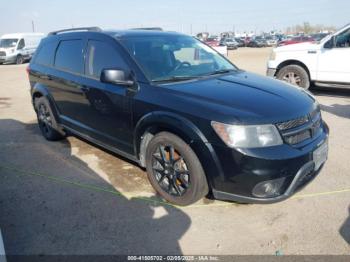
101, 55
46, 54
69, 56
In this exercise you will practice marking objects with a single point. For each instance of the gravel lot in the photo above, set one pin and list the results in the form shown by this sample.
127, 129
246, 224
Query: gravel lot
70, 197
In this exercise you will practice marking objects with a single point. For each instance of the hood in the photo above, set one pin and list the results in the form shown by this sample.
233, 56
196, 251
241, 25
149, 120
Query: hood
298, 47
244, 97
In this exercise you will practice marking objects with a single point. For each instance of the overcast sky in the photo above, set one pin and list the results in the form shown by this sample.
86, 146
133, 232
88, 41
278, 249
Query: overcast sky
178, 15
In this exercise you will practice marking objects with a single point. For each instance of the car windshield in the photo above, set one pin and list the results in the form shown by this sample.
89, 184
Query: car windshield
6, 43
177, 57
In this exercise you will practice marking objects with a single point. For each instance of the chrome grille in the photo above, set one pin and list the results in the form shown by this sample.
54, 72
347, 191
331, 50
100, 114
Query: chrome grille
2, 53
300, 129
293, 123
298, 138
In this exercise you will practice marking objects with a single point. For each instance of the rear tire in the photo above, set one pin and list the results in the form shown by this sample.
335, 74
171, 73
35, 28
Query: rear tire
295, 75
46, 119
19, 60
174, 170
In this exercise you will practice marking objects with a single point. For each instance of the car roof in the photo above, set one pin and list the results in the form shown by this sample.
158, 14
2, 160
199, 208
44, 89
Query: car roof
114, 33
139, 32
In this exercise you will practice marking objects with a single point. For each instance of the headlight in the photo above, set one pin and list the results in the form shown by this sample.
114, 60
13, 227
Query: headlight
273, 55
248, 136
12, 51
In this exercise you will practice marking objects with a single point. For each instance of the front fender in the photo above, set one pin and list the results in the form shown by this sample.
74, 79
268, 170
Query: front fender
166, 121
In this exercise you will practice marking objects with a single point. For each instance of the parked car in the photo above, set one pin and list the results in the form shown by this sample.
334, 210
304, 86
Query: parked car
230, 43
246, 40
173, 105
319, 36
296, 40
202, 36
257, 43
324, 63
271, 41
240, 42
212, 41
18, 48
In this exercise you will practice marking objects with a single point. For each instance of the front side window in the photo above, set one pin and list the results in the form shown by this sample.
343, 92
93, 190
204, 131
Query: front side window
8, 43
69, 56
168, 57
101, 56
343, 39
21, 44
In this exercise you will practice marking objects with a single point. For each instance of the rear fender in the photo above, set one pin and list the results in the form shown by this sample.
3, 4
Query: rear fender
39, 90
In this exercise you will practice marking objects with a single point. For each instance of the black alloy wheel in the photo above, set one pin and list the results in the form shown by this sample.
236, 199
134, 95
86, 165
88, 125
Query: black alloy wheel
174, 170
170, 170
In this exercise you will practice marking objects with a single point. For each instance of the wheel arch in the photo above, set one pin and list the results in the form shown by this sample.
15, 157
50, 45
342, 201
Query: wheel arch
156, 122
292, 62
40, 90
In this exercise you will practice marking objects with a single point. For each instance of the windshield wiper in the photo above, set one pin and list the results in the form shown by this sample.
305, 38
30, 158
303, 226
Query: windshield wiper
221, 71
175, 79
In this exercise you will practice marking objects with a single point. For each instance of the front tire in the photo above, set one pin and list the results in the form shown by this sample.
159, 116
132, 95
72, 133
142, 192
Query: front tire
19, 60
295, 75
174, 170
46, 119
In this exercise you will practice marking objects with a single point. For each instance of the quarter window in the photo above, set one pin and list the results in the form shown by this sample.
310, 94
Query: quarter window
46, 54
69, 56
100, 56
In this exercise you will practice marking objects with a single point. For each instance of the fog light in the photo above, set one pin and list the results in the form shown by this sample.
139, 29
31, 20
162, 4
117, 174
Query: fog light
270, 188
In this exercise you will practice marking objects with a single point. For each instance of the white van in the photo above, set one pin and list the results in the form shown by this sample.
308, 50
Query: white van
17, 48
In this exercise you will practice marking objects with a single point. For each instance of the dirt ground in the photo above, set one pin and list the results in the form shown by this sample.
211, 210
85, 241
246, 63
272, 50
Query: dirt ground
70, 197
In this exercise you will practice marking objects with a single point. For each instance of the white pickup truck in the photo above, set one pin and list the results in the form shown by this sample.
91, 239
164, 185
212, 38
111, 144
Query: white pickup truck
324, 63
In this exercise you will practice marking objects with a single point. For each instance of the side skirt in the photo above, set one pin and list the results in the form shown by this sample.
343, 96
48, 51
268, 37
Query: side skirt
333, 84
99, 143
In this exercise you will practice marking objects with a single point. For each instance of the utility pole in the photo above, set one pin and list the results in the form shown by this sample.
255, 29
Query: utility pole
191, 28
33, 27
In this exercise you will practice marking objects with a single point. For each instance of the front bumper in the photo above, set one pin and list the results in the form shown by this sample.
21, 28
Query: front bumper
243, 170
304, 176
271, 72
8, 59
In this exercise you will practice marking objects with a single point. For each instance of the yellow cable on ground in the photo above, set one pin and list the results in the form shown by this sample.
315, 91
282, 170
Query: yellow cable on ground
146, 199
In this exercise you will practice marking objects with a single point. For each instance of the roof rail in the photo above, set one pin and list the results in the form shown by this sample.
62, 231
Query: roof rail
149, 28
95, 29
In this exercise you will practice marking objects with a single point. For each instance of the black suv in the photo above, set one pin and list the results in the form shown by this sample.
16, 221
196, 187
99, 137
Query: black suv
172, 104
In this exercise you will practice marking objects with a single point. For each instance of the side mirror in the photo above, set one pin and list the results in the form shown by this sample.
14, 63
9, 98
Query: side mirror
329, 44
117, 77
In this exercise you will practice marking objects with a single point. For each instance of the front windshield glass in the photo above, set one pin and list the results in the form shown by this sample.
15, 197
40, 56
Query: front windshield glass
167, 57
7, 43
